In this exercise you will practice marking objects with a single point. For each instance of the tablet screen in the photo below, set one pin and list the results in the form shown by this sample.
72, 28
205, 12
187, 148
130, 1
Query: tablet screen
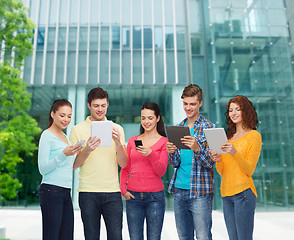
215, 138
175, 133
102, 130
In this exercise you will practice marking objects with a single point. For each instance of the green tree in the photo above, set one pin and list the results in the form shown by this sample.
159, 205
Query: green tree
17, 128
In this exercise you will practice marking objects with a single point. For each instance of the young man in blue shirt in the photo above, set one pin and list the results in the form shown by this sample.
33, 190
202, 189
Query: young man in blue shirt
193, 182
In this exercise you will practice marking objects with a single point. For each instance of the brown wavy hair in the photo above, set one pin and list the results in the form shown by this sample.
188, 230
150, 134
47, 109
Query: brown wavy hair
248, 113
191, 91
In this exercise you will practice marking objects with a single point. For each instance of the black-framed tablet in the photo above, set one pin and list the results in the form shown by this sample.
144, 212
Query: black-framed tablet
175, 133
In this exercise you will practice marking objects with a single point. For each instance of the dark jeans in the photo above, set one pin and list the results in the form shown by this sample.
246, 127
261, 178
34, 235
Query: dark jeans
95, 204
57, 212
149, 205
239, 212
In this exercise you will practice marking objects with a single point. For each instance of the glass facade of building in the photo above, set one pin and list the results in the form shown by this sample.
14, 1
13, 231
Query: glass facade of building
148, 50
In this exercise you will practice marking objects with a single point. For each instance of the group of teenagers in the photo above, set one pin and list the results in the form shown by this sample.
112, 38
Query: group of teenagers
192, 184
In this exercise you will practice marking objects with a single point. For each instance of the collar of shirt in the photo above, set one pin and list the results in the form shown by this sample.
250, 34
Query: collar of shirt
88, 120
198, 120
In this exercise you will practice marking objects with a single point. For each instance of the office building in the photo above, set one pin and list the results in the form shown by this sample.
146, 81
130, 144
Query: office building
148, 50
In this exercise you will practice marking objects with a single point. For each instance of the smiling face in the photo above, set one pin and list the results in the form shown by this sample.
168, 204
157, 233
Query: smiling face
235, 113
191, 107
98, 108
149, 120
62, 117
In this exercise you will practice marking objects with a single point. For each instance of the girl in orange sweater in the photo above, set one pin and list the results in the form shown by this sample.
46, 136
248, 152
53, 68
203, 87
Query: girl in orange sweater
236, 168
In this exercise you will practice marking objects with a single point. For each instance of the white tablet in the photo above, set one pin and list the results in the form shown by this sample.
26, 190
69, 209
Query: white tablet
215, 138
102, 130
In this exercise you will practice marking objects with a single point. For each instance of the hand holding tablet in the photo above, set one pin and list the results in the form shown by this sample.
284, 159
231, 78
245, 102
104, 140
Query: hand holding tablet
215, 137
102, 130
175, 133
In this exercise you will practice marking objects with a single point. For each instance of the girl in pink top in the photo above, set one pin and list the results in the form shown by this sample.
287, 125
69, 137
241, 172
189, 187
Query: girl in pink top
140, 180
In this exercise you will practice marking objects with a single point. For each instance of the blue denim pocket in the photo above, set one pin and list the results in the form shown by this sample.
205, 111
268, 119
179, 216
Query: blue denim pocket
243, 195
157, 196
246, 196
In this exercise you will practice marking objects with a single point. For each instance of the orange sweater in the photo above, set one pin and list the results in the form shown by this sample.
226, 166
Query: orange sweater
236, 170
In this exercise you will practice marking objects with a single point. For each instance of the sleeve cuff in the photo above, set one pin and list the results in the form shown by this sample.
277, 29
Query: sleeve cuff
123, 192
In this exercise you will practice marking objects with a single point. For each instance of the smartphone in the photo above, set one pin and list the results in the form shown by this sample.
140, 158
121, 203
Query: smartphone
81, 143
138, 143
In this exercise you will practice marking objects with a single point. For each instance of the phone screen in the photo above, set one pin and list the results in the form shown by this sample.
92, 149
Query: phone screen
81, 143
138, 143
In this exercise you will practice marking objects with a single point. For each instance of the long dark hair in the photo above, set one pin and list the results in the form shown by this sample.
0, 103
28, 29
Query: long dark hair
155, 108
248, 114
55, 106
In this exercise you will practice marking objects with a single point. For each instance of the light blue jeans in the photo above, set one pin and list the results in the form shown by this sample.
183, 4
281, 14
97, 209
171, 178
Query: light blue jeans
239, 212
149, 206
192, 215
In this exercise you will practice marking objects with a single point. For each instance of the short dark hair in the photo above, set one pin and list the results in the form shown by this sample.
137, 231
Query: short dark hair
155, 108
55, 106
97, 93
191, 91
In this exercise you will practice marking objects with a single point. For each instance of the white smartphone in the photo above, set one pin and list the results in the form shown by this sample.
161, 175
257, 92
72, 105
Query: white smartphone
81, 143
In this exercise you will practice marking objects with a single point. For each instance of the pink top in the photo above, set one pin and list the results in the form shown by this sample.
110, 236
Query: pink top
143, 174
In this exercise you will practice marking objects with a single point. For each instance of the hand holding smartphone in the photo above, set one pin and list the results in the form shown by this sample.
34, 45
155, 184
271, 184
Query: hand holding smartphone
80, 143
145, 151
138, 143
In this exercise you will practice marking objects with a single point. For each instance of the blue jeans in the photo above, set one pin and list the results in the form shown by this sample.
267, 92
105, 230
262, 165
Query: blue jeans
57, 212
149, 205
192, 214
95, 204
239, 212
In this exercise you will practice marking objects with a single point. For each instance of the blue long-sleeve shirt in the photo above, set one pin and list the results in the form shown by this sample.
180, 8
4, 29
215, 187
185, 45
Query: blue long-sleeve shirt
55, 167
202, 179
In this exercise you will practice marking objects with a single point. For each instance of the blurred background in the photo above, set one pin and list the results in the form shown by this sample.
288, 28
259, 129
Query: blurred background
149, 50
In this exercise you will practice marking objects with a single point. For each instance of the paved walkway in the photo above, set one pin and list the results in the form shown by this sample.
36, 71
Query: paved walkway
25, 224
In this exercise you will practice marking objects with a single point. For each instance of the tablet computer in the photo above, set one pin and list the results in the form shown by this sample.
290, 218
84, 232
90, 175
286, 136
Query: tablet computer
175, 133
215, 138
102, 130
